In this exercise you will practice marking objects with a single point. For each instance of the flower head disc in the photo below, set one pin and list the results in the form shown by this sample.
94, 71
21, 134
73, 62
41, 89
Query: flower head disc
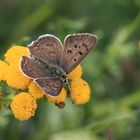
80, 91
23, 106
16, 79
14, 54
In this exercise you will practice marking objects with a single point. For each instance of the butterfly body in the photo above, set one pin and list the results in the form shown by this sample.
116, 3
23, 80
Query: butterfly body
57, 72
50, 62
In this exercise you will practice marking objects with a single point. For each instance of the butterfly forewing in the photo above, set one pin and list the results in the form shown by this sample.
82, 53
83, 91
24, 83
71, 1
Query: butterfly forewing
76, 47
47, 48
51, 86
32, 69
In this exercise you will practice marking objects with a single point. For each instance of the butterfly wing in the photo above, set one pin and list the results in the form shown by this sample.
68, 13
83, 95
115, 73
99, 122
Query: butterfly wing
32, 68
48, 48
76, 47
51, 86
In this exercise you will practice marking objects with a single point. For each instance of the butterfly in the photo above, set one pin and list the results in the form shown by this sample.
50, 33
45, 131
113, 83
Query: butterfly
50, 61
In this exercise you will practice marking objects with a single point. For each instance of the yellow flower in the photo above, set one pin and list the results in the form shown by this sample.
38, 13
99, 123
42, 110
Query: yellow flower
15, 78
35, 90
76, 73
3, 69
14, 54
60, 98
23, 106
80, 91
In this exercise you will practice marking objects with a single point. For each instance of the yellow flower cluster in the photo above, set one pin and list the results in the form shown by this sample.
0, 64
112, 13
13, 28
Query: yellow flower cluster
14, 77
14, 54
80, 91
24, 104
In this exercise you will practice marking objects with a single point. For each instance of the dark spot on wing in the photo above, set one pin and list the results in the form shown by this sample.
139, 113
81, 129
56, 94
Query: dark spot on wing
81, 53
86, 47
69, 51
83, 44
52, 52
76, 37
75, 46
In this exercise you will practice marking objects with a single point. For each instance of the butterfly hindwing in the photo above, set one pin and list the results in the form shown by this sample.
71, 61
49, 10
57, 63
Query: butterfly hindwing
48, 48
32, 69
50, 85
76, 47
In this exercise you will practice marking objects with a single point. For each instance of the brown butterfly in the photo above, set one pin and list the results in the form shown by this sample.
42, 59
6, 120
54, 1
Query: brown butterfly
50, 61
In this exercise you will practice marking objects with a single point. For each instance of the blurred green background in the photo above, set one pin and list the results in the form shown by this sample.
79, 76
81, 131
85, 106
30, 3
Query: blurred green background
112, 68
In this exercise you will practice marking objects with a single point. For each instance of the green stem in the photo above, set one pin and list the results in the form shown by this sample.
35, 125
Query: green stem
5, 100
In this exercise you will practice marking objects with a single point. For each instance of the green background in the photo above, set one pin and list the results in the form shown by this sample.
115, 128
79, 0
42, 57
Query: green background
112, 69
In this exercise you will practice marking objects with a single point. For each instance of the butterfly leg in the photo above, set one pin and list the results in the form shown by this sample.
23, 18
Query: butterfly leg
68, 87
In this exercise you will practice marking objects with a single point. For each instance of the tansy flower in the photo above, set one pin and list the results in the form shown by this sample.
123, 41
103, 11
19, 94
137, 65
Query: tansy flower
76, 73
15, 78
35, 90
3, 69
80, 91
14, 54
23, 106
60, 98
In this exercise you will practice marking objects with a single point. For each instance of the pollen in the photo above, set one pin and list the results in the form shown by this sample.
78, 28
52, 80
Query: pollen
23, 106
80, 91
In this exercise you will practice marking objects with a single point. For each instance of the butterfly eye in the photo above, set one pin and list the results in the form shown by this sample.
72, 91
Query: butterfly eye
64, 80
